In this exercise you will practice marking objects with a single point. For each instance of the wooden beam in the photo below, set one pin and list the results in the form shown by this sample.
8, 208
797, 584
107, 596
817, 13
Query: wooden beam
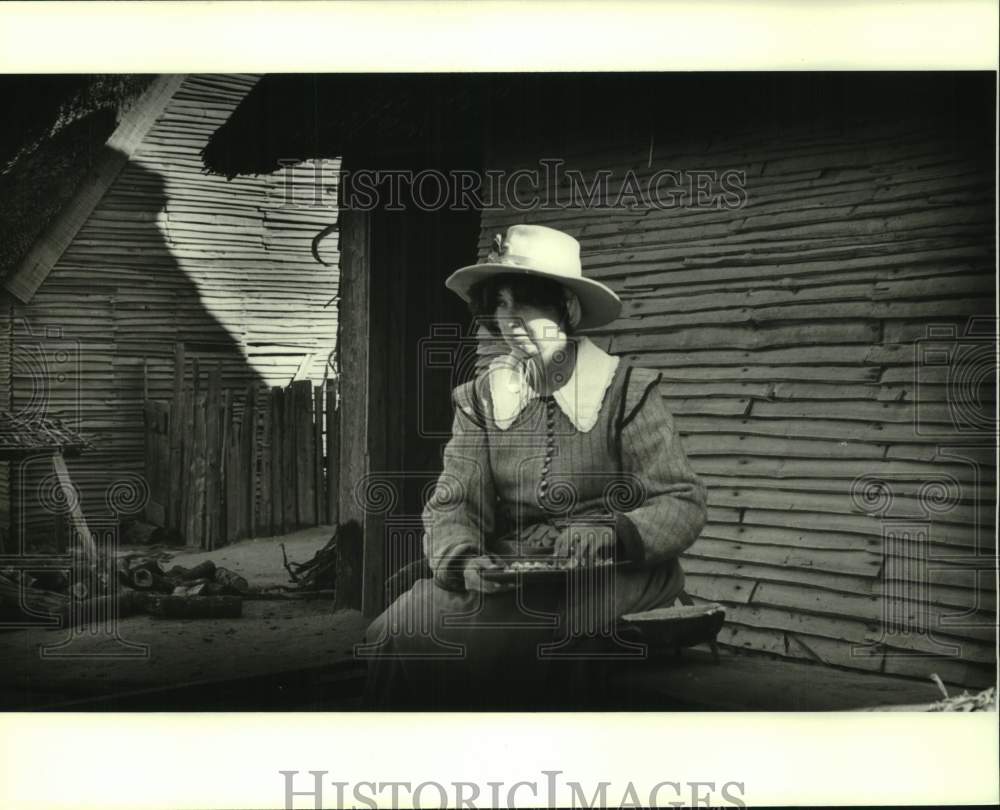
352, 351
174, 505
288, 460
304, 484
332, 456
76, 513
251, 449
319, 485
278, 486
213, 433
115, 154
263, 524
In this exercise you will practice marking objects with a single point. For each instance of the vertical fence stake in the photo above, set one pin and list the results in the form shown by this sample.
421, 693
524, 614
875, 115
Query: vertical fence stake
174, 500
332, 454
250, 462
319, 485
288, 459
277, 460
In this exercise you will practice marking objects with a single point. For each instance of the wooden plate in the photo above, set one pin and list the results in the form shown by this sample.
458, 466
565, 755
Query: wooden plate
549, 573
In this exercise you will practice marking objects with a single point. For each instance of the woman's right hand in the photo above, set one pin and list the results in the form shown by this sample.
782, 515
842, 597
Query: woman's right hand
474, 580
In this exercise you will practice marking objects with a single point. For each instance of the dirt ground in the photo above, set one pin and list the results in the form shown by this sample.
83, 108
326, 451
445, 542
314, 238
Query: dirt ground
52, 667
298, 655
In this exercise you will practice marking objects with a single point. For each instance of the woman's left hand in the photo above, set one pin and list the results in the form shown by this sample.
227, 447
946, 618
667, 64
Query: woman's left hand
588, 545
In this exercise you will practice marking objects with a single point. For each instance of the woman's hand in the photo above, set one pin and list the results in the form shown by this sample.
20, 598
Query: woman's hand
585, 544
474, 580
539, 538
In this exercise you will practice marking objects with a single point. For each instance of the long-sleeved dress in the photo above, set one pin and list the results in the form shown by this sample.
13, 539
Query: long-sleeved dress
627, 473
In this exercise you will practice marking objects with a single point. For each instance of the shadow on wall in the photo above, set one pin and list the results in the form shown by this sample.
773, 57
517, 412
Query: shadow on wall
100, 334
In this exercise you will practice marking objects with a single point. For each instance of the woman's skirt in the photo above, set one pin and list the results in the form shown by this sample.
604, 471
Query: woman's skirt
434, 648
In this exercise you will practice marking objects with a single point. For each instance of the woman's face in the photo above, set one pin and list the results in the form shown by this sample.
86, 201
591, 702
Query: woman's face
529, 330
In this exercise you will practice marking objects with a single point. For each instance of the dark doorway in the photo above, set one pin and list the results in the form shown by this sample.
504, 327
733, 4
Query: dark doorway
423, 328
412, 345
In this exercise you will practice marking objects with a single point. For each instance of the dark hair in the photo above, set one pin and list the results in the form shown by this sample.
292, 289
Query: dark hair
531, 290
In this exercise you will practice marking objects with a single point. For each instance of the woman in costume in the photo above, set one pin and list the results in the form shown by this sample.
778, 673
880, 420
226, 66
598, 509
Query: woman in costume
560, 452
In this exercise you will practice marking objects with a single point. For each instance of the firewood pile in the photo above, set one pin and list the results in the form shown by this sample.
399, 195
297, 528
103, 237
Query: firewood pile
205, 591
139, 583
143, 572
25, 597
318, 574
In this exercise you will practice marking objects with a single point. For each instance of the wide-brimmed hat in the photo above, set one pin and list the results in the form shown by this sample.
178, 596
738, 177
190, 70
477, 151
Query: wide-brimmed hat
535, 250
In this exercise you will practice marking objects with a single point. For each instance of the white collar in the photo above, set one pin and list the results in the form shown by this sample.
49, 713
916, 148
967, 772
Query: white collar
580, 398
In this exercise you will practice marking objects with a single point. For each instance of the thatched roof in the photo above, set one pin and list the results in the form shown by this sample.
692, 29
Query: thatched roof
442, 117
19, 437
447, 117
54, 129
316, 116
379, 117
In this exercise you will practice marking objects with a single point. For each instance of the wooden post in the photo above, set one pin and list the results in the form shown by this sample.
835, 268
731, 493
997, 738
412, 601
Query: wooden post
223, 466
266, 488
237, 476
353, 330
176, 441
158, 515
250, 461
157, 462
319, 485
277, 461
196, 468
306, 501
227, 474
332, 454
200, 477
76, 517
213, 435
189, 484
289, 483
150, 463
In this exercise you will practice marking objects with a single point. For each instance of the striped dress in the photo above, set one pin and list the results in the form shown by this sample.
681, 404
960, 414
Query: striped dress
626, 474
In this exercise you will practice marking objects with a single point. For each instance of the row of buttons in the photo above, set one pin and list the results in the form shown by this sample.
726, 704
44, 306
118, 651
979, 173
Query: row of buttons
550, 443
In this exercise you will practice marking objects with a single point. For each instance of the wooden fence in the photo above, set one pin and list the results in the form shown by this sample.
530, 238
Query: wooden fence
223, 465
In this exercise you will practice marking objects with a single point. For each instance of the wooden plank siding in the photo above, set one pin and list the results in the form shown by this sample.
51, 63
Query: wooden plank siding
172, 255
785, 331
6, 348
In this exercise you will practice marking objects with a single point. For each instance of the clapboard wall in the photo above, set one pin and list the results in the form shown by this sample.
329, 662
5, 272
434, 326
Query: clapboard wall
171, 255
5, 400
785, 331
